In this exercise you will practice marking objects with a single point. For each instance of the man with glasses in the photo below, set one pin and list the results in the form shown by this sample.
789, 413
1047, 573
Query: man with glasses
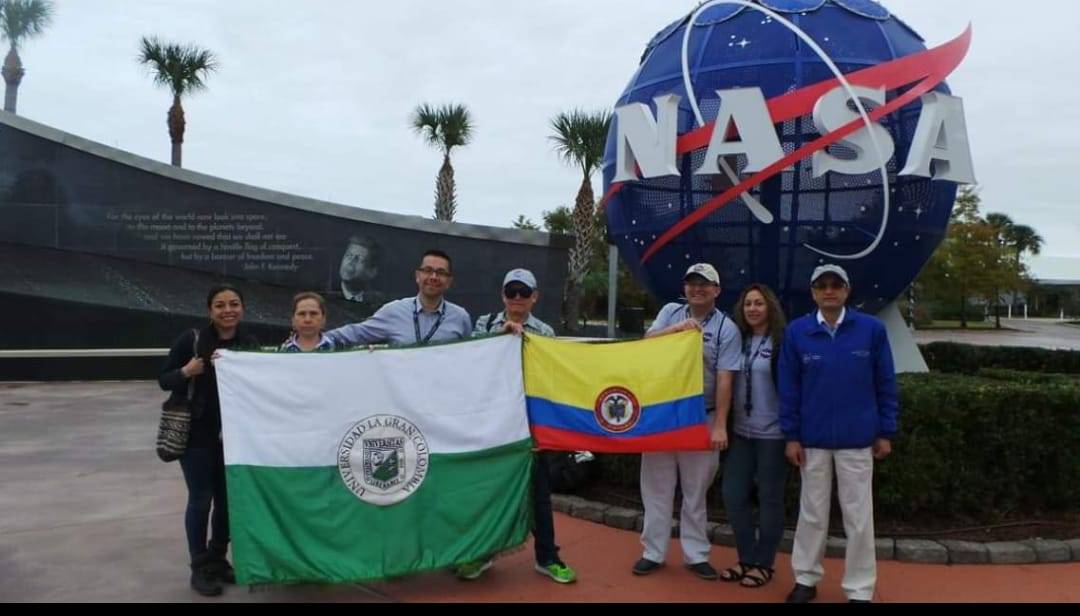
419, 320
838, 408
693, 471
519, 295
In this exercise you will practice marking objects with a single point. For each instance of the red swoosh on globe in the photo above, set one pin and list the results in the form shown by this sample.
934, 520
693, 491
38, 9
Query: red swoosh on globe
928, 68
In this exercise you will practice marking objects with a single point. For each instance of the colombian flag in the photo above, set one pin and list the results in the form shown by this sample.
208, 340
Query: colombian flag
625, 397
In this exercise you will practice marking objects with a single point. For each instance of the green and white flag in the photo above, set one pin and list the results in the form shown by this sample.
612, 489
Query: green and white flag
344, 467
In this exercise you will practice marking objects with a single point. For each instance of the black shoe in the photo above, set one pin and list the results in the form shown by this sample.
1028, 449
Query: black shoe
203, 577
704, 571
220, 566
646, 566
221, 570
802, 594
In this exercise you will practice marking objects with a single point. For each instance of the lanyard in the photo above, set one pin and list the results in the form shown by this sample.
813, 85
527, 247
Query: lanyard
704, 323
748, 366
416, 324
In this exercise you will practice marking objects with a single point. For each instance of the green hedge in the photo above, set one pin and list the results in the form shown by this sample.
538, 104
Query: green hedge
969, 448
969, 359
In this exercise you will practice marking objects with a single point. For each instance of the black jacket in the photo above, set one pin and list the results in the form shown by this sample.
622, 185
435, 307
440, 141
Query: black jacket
205, 408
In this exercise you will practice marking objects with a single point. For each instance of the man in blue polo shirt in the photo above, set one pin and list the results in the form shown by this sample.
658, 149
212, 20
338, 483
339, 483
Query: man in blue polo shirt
838, 408
693, 471
419, 320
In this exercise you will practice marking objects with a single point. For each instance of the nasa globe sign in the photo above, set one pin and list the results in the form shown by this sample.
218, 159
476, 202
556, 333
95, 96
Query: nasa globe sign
773, 136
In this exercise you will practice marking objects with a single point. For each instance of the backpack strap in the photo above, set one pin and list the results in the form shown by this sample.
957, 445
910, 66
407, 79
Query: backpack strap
719, 332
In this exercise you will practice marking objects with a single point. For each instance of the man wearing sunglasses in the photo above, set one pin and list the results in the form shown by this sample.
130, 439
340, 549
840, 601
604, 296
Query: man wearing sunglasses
519, 296
419, 320
838, 409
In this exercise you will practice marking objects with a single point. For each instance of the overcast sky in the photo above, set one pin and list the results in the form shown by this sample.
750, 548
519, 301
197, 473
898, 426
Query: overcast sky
313, 97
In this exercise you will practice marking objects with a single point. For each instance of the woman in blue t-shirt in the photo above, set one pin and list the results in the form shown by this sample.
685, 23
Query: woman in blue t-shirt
757, 444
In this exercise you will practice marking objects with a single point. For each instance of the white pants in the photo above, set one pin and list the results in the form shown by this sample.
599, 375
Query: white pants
695, 471
854, 477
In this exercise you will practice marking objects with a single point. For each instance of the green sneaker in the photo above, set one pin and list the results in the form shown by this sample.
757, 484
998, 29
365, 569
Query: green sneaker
473, 570
558, 572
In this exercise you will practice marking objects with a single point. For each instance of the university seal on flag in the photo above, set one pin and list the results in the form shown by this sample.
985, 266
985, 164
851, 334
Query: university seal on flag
617, 410
383, 459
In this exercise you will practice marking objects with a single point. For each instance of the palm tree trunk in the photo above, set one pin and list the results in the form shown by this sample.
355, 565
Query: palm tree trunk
13, 73
445, 199
583, 221
997, 309
176, 130
963, 309
571, 307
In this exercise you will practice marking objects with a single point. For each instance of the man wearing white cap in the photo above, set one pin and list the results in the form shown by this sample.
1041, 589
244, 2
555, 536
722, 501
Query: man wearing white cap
838, 408
519, 296
694, 471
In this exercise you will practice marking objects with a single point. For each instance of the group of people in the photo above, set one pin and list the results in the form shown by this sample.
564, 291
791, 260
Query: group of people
819, 393
424, 319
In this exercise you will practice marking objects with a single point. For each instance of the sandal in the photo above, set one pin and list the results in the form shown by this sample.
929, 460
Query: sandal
735, 574
750, 579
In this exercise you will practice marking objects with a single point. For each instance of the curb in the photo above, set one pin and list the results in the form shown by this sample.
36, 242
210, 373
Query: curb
924, 551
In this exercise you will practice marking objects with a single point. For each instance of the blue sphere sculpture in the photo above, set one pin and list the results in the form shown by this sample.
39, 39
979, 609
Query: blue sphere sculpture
732, 46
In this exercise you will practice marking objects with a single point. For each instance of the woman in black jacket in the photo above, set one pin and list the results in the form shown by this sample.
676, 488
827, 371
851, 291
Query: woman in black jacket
190, 371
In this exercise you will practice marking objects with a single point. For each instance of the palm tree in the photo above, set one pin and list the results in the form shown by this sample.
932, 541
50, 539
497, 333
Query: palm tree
579, 139
1002, 227
1025, 239
20, 19
182, 69
1001, 223
445, 128
524, 223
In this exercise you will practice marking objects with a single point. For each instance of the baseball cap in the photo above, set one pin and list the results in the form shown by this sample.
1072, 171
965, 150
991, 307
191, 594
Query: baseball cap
523, 276
830, 269
704, 270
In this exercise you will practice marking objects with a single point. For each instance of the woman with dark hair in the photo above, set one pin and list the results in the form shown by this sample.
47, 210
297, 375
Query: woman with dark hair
189, 371
308, 322
757, 445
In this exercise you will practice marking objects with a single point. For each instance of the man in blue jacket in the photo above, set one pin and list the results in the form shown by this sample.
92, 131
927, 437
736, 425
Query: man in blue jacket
838, 408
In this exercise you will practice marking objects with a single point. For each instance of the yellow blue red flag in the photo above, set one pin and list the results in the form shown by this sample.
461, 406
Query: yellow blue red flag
624, 397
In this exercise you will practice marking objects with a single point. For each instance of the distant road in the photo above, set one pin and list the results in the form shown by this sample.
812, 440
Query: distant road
1042, 333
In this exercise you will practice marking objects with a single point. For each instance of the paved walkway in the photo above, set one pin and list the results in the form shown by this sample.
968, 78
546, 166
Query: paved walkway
90, 514
1040, 333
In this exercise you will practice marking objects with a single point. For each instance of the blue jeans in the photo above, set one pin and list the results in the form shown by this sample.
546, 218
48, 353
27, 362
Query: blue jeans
761, 460
204, 473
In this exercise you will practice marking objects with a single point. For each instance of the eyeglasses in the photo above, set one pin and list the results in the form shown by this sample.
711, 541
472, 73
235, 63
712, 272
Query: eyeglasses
515, 291
428, 271
823, 286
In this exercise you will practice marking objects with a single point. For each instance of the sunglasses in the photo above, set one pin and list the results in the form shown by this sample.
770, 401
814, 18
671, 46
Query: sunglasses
516, 291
